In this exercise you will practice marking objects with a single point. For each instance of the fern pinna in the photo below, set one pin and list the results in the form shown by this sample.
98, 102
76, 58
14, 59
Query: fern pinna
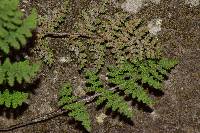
14, 98
14, 32
112, 99
77, 110
131, 77
18, 71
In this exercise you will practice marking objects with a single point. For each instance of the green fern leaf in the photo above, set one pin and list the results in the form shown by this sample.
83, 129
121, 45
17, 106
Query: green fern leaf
167, 63
131, 77
17, 71
13, 30
77, 110
113, 100
12, 99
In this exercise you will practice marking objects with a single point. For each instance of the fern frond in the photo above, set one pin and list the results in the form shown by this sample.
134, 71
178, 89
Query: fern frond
126, 38
127, 81
12, 99
77, 110
13, 30
18, 71
131, 77
65, 95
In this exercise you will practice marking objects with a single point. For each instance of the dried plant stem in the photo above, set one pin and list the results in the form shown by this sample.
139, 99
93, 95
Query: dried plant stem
90, 98
38, 119
66, 34
51, 115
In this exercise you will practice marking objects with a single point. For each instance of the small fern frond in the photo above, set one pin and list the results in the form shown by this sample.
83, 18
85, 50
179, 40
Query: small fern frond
65, 95
131, 77
77, 110
12, 99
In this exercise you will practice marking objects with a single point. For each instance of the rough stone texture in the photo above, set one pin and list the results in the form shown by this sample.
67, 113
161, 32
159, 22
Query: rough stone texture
177, 111
134, 6
155, 26
192, 2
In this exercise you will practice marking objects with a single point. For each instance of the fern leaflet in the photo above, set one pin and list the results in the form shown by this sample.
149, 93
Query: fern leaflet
17, 71
113, 100
77, 109
13, 99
